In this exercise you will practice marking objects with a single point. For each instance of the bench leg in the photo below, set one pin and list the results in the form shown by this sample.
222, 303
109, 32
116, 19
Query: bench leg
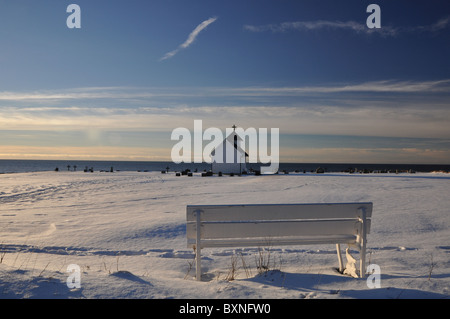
341, 266
362, 252
198, 262
362, 260
198, 247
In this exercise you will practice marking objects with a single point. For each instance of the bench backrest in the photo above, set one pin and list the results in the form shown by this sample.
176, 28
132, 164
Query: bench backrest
271, 221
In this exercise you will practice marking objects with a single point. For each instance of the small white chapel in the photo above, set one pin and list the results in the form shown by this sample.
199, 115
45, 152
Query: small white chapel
228, 157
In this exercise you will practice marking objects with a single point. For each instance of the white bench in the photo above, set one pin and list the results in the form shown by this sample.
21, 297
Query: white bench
278, 224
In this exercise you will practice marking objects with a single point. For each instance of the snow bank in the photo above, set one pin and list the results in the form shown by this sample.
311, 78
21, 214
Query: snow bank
126, 232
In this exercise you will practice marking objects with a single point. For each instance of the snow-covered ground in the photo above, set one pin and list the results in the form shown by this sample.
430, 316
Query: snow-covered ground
126, 233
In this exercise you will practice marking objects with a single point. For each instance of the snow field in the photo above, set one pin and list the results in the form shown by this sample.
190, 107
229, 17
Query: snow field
126, 231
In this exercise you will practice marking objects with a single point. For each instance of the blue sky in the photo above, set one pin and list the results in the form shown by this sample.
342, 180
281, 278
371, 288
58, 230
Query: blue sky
136, 70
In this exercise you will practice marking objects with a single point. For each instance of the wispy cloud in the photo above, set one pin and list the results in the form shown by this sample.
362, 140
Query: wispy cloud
78, 94
400, 108
191, 38
126, 122
347, 25
306, 25
145, 93
437, 26
386, 86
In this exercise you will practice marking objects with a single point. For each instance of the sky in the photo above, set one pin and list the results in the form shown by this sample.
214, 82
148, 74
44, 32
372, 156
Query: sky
117, 87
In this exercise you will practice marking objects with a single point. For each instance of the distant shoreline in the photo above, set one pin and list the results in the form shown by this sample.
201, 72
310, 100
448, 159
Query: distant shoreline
22, 166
